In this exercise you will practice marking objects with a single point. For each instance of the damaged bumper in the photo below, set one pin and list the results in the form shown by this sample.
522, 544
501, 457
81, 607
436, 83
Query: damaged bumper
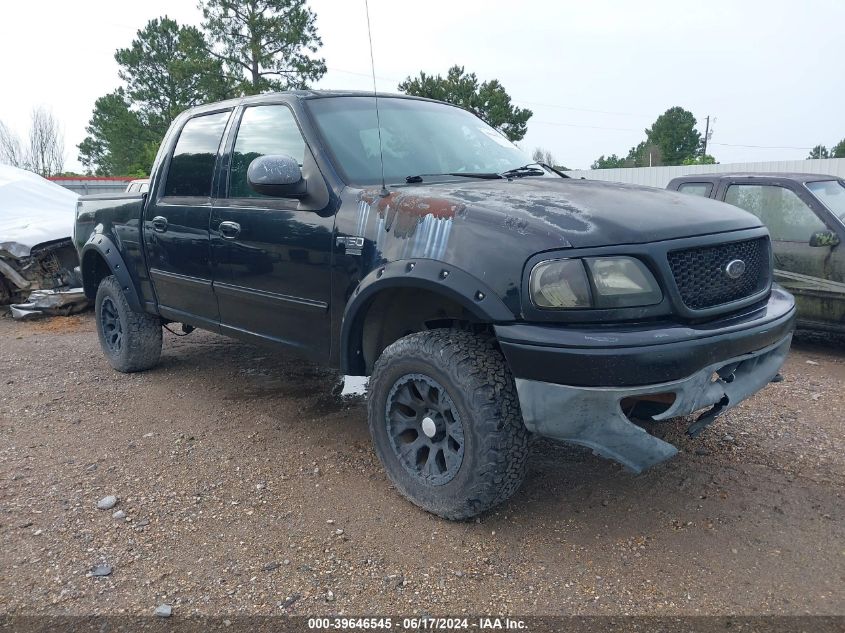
61, 302
43, 278
662, 373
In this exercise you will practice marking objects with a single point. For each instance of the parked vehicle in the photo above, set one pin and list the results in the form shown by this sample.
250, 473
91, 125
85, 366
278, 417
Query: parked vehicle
488, 298
805, 215
38, 260
142, 185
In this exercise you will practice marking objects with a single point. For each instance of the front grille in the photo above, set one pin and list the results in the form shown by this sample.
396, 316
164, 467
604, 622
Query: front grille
701, 278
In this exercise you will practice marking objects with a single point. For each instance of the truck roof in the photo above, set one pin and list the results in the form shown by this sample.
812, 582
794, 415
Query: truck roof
289, 95
796, 176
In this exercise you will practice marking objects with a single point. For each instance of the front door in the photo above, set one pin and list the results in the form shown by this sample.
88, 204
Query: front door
176, 223
272, 257
808, 272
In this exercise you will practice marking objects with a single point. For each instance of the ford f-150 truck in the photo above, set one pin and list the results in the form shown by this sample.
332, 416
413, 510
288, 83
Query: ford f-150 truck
487, 298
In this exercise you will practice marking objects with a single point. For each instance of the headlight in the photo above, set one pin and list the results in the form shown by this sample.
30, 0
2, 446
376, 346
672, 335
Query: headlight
621, 282
617, 282
560, 283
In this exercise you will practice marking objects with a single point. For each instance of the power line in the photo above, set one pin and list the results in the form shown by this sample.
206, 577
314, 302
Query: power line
760, 146
530, 103
562, 107
588, 127
367, 75
591, 127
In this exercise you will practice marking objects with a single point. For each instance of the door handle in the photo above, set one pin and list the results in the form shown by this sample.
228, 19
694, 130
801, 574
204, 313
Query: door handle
159, 224
230, 230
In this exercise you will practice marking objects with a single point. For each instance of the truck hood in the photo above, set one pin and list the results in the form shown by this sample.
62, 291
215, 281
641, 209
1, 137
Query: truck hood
560, 213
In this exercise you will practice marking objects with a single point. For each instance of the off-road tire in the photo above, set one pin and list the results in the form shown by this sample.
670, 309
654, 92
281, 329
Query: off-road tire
140, 346
476, 377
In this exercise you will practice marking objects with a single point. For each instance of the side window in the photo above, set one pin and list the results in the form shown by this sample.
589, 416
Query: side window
787, 217
263, 130
192, 165
702, 189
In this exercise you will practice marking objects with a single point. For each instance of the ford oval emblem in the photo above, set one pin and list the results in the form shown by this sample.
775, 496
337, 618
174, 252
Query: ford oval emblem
735, 268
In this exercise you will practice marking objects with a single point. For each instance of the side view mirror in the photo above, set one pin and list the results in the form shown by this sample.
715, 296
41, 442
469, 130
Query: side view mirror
824, 238
276, 175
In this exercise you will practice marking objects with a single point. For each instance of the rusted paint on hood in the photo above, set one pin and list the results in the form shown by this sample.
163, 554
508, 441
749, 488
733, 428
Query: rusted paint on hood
403, 212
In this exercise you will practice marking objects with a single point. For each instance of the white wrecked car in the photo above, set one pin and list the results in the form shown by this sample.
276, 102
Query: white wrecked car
38, 262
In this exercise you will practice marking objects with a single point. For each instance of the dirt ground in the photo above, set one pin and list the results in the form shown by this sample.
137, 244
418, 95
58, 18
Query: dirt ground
249, 488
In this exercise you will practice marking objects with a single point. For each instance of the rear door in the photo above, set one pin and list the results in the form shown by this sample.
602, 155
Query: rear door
273, 257
176, 224
787, 211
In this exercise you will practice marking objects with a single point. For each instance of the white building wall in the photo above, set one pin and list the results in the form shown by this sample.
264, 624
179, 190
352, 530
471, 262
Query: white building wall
660, 176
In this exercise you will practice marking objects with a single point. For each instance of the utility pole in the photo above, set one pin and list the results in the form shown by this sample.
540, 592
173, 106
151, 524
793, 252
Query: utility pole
706, 136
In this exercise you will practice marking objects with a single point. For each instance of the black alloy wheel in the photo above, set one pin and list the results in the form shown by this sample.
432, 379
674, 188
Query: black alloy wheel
111, 325
425, 429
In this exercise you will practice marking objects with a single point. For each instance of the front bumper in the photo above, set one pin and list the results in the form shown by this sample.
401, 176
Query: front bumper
715, 365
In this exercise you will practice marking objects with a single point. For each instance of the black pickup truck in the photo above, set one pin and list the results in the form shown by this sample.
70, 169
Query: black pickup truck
487, 298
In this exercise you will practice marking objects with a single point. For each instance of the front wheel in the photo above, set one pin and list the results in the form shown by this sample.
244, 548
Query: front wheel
446, 423
130, 340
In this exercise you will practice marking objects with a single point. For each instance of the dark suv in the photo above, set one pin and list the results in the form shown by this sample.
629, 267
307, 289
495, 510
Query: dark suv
487, 297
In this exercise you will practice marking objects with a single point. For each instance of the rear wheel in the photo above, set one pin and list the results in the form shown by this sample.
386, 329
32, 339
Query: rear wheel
446, 424
130, 340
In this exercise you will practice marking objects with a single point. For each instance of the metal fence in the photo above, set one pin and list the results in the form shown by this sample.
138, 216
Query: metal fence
86, 185
660, 176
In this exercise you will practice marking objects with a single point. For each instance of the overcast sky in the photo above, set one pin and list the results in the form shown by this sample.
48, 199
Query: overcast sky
595, 73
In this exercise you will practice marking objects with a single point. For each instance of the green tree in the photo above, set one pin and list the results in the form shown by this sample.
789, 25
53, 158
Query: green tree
610, 162
819, 151
838, 150
675, 136
644, 154
671, 140
701, 159
118, 142
166, 70
267, 44
488, 100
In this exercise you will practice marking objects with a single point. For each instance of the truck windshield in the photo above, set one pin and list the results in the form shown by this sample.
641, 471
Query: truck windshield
418, 137
832, 195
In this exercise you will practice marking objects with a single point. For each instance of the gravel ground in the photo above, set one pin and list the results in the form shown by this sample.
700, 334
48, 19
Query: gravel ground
245, 487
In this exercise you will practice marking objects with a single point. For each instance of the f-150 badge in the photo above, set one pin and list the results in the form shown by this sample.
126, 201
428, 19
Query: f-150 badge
352, 244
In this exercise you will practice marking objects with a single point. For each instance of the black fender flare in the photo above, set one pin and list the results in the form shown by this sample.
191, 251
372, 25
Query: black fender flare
426, 274
105, 248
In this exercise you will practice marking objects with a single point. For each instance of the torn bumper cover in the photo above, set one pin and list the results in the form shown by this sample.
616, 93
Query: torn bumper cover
607, 372
62, 302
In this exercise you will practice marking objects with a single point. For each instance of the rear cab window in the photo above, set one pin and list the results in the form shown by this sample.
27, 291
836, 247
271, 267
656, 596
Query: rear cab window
192, 165
702, 189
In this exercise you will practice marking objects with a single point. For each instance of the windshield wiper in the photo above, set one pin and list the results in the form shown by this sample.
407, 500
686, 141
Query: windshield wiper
525, 170
463, 174
531, 169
